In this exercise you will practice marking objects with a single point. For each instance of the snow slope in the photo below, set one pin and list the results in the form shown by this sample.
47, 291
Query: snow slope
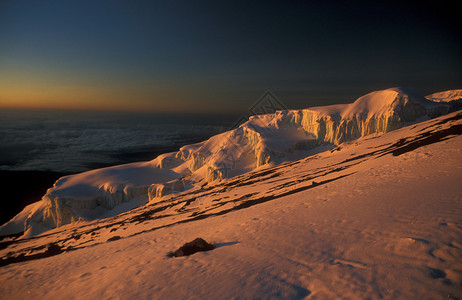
380, 217
263, 140
452, 97
446, 96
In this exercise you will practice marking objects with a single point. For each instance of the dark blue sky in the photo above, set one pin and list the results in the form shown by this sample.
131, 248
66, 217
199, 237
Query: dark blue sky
221, 56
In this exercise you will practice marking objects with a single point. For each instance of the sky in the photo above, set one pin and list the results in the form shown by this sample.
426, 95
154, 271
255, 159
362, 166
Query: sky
221, 56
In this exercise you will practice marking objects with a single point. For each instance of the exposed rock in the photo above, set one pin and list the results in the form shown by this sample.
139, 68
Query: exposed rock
192, 247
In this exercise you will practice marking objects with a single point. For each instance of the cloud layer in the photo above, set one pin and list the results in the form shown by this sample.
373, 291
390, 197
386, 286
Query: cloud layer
75, 141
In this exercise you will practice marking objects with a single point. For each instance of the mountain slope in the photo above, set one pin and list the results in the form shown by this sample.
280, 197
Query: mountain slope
446, 96
263, 140
375, 218
452, 97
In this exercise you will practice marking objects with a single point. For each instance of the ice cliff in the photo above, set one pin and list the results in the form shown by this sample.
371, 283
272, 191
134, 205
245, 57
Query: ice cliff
262, 140
452, 97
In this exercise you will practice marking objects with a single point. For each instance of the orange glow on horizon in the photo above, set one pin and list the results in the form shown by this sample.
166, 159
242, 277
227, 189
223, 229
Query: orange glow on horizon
38, 87
33, 96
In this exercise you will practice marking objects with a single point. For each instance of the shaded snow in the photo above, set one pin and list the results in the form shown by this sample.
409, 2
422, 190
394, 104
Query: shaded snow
389, 228
445, 96
264, 140
453, 98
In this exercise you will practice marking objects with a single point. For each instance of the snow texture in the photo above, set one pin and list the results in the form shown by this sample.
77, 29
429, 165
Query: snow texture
374, 218
452, 97
264, 140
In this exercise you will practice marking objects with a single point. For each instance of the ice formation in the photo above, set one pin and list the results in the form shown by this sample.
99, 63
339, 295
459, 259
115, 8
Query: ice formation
452, 97
262, 140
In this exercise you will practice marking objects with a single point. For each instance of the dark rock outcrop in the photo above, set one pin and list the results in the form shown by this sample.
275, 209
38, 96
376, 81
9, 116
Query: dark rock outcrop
192, 247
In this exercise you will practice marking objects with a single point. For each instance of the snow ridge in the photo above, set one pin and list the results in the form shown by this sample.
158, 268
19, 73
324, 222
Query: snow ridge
253, 188
453, 98
447, 96
261, 141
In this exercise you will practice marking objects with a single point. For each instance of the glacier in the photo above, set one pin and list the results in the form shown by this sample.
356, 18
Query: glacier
338, 224
264, 140
452, 97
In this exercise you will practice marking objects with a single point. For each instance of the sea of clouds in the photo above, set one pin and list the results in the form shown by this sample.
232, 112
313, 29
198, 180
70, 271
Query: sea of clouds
65, 141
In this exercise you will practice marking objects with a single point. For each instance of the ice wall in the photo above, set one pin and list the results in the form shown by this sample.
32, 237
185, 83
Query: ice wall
263, 139
377, 112
453, 98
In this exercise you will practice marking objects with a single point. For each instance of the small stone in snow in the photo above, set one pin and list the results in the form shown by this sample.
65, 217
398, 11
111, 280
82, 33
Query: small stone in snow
192, 247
